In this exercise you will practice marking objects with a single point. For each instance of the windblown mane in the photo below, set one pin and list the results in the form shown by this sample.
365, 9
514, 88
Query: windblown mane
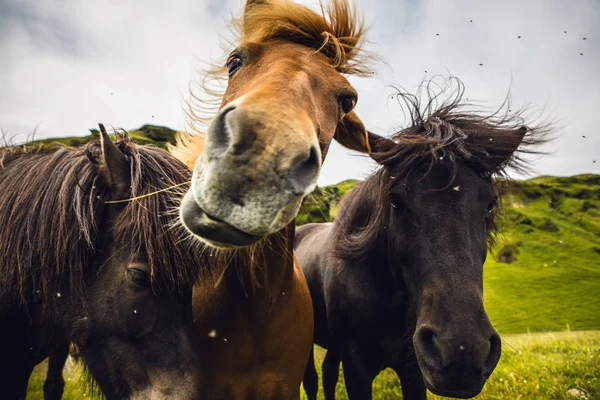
448, 132
53, 206
338, 33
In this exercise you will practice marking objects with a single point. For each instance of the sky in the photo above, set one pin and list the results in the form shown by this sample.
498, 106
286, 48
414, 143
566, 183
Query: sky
67, 65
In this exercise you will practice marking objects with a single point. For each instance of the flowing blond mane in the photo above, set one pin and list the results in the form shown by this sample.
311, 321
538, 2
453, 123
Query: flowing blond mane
338, 33
188, 147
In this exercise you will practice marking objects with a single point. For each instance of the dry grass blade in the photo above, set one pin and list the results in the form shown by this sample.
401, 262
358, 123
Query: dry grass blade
149, 194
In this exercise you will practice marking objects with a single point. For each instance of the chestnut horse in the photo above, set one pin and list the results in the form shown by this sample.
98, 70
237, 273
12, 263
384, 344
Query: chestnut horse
397, 279
286, 99
81, 263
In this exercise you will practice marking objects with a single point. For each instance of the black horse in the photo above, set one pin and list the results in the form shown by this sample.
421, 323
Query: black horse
81, 263
396, 280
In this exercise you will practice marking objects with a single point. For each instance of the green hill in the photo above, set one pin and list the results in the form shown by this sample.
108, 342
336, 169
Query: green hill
146, 134
544, 273
321, 205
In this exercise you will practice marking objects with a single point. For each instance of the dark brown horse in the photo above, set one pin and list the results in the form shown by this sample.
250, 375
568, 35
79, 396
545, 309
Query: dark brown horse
396, 280
286, 99
80, 263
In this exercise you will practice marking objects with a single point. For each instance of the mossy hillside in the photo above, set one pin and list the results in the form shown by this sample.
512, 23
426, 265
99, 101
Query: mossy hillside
146, 134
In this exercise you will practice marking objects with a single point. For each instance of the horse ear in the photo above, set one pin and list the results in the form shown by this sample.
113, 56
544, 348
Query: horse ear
380, 147
380, 144
114, 166
501, 149
352, 134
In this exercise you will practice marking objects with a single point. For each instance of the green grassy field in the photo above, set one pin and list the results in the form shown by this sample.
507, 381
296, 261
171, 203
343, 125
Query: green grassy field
557, 365
552, 225
541, 366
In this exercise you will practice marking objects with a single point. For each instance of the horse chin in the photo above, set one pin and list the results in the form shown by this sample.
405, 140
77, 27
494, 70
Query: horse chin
210, 230
443, 387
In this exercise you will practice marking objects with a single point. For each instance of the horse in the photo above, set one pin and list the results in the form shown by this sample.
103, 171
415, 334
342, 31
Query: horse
81, 263
397, 279
286, 99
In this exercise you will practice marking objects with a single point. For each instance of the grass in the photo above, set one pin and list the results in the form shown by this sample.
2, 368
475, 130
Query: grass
76, 388
538, 366
555, 279
561, 365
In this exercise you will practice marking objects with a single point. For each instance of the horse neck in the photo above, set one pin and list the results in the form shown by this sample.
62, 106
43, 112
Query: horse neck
256, 274
277, 260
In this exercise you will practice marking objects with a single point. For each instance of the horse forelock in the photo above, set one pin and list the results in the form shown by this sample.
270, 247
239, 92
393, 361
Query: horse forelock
148, 224
338, 32
444, 127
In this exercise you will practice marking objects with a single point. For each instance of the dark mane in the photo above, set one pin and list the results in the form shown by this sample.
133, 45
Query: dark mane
53, 206
361, 214
448, 132
457, 130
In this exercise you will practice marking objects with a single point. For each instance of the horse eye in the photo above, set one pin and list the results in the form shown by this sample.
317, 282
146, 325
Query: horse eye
139, 277
493, 204
347, 103
233, 64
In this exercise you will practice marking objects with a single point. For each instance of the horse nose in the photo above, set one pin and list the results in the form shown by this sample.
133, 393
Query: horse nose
443, 351
220, 133
493, 355
433, 351
236, 132
304, 171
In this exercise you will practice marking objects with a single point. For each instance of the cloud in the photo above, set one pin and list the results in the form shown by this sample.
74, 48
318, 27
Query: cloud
68, 65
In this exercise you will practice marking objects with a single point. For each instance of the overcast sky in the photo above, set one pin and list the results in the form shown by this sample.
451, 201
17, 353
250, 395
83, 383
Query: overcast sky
66, 65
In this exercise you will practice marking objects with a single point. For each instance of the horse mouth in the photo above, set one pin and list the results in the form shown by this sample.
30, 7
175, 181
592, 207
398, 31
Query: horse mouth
211, 230
445, 391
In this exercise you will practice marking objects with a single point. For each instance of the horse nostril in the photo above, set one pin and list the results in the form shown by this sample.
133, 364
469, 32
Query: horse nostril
430, 347
493, 356
304, 171
219, 136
